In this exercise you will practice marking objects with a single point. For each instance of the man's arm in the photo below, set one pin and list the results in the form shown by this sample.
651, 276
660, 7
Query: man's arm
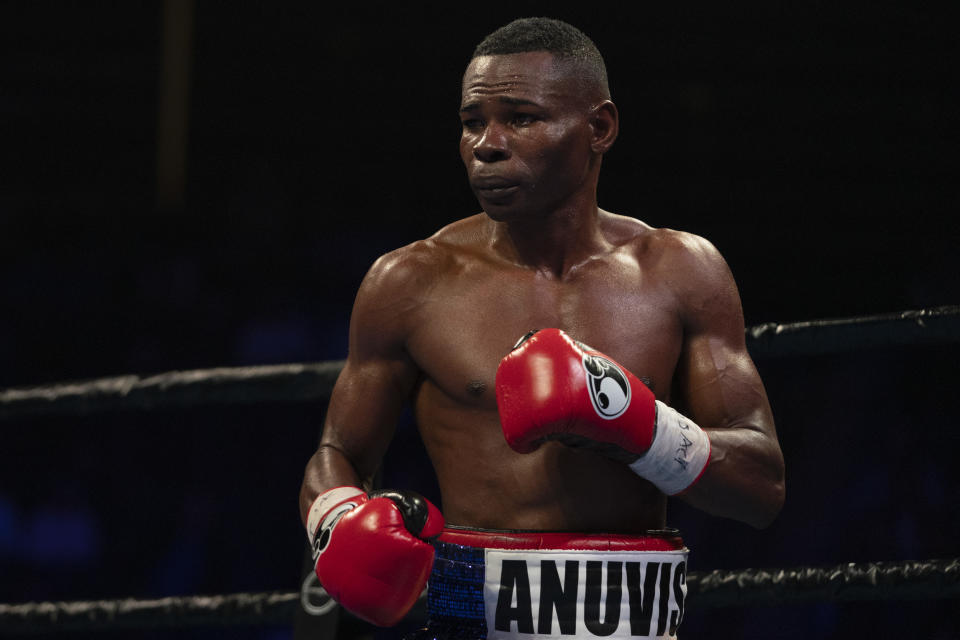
378, 376
718, 387
375, 382
371, 548
366, 400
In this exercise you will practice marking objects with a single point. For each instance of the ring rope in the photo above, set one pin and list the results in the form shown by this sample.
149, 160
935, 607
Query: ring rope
175, 389
270, 607
937, 325
314, 381
850, 582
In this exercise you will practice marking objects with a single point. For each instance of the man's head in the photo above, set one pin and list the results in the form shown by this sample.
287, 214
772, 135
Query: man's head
568, 44
537, 119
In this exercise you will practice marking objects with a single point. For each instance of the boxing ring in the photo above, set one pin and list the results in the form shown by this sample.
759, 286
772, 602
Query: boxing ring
931, 579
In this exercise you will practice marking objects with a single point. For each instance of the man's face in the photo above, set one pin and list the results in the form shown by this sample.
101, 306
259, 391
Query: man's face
526, 134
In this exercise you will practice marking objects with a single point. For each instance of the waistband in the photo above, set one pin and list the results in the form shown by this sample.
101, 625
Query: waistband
652, 540
535, 584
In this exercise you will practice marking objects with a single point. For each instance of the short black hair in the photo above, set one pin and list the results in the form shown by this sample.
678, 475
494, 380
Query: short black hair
547, 34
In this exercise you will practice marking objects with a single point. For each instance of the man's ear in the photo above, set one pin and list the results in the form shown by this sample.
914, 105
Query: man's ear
605, 122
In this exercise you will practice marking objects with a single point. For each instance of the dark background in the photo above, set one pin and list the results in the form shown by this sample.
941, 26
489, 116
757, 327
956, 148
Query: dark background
814, 145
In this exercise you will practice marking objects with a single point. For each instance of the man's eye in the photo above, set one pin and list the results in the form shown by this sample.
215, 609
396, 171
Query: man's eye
472, 123
523, 119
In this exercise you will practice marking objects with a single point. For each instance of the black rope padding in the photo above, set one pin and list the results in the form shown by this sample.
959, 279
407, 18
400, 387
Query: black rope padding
843, 335
223, 385
314, 381
868, 581
860, 582
167, 613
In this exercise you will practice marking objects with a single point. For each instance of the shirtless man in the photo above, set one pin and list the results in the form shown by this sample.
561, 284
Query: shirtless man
560, 495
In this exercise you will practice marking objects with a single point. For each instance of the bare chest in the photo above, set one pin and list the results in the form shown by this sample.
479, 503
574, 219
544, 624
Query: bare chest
473, 318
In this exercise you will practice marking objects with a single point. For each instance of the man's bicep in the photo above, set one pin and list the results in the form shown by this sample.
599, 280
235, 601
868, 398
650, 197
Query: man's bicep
379, 374
719, 383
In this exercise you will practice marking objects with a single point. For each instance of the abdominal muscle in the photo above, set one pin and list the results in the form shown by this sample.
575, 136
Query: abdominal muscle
485, 484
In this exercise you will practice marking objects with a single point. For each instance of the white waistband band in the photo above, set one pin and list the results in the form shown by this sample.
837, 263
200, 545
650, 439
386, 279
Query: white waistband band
562, 594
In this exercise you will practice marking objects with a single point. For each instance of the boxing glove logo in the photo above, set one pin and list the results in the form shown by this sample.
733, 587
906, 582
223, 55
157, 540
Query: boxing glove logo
326, 527
607, 385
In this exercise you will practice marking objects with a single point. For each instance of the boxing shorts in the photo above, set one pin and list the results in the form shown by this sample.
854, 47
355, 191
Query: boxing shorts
539, 585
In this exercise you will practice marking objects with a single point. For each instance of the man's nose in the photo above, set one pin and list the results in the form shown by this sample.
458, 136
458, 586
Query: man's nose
492, 145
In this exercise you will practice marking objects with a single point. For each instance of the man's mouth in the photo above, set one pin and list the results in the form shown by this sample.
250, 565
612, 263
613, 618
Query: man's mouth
494, 187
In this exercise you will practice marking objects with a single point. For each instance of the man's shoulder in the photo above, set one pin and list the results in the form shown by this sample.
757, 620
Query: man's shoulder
461, 242
686, 247
696, 272
418, 265
661, 243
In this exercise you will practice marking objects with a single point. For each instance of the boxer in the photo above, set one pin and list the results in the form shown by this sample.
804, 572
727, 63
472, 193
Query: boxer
569, 369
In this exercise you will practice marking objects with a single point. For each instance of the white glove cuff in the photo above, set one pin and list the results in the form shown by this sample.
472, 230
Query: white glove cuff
324, 502
679, 453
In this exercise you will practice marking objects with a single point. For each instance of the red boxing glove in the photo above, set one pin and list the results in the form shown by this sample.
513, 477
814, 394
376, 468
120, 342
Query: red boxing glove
370, 550
551, 387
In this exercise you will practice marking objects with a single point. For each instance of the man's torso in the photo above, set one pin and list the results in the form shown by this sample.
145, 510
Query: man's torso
474, 310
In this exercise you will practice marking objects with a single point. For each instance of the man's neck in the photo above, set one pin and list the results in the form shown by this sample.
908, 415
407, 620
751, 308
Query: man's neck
554, 244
